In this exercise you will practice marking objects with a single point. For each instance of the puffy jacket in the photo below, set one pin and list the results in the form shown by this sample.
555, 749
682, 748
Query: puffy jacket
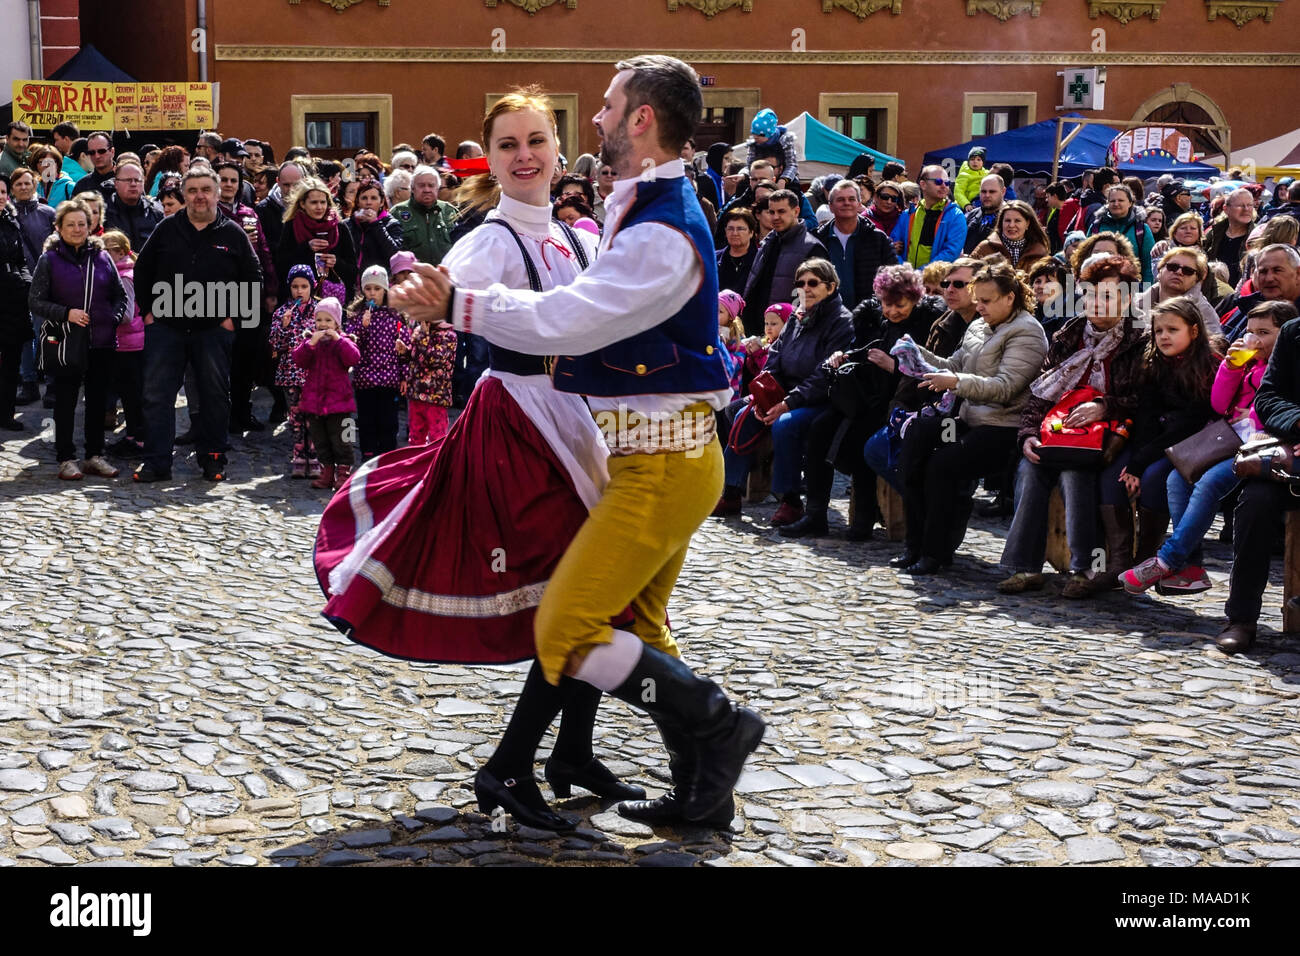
868, 250
59, 285
15, 281
994, 367
790, 248
130, 334
967, 188
1133, 228
1165, 416
1123, 374
327, 390
797, 357
426, 230
283, 339
1234, 390
949, 235
377, 344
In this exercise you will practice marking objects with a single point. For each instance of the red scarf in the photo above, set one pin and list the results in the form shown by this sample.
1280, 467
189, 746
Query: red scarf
305, 228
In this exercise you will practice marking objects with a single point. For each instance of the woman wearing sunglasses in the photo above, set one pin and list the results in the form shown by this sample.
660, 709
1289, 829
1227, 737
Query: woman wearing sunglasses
885, 208
1180, 272
820, 327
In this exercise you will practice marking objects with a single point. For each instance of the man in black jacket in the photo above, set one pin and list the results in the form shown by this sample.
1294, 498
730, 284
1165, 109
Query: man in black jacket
128, 209
1277, 404
270, 211
771, 279
195, 278
854, 245
980, 220
100, 147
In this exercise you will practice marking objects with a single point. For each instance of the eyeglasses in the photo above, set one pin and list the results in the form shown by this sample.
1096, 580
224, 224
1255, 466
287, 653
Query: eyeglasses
807, 283
1184, 270
887, 197
953, 283
98, 152
937, 182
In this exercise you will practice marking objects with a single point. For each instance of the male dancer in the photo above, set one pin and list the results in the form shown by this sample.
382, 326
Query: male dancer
637, 334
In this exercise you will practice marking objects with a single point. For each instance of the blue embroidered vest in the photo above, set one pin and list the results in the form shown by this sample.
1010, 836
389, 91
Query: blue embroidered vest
681, 353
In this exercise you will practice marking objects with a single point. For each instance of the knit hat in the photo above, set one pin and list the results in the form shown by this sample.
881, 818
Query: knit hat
330, 306
731, 302
764, 124
1072, 237
375, 275
401, 262
824, 215
979, 151
305, 271
783, 309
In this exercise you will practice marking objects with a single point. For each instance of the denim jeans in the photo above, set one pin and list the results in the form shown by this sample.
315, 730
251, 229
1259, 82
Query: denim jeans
27, 369
1193, 509
1026, 546
788, 438
167, 351
877, 455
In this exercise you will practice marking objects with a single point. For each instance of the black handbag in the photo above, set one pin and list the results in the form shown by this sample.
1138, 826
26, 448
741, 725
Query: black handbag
65, 346
850, 394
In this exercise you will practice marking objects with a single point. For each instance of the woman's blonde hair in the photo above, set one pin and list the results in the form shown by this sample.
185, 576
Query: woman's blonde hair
308, 184
1185, 218
482, 191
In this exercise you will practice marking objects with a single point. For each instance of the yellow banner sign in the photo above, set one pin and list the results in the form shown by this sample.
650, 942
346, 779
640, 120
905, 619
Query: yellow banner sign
44, 104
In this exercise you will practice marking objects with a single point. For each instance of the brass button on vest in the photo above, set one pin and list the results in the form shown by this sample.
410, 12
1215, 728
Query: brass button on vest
640, 369
708, 350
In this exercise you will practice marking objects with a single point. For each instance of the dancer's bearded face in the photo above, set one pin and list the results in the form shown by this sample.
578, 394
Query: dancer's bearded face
615, 146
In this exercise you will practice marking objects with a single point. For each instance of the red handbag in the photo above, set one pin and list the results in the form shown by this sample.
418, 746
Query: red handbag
1092, 446
767, 391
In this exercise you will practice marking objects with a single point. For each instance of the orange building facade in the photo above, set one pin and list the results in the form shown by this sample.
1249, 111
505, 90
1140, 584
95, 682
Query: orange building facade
904, 76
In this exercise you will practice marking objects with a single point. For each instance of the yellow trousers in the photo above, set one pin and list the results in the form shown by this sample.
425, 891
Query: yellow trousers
628, 552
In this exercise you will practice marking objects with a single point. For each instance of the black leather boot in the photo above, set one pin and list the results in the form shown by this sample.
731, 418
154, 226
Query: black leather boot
812, 524
669, 809
722, 734
1117, 520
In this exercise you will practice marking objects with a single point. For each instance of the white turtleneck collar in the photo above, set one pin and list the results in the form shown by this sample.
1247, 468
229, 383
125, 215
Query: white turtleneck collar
534, 220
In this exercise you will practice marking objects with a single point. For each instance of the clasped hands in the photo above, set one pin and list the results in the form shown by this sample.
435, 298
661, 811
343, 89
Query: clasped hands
425, 296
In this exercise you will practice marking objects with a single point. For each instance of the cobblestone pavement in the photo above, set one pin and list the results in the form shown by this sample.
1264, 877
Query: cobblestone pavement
171, 695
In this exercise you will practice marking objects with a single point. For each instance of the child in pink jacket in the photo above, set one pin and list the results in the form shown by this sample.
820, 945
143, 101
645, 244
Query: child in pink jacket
327, 397
1176, 568
128, 359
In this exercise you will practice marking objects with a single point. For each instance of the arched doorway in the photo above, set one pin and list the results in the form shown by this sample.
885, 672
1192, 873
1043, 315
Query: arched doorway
1179, 103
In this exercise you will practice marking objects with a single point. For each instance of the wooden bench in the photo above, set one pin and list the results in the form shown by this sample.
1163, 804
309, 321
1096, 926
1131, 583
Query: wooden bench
890, 503
759, 487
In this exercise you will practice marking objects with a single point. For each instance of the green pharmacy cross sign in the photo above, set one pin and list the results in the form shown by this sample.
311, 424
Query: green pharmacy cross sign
1079, 89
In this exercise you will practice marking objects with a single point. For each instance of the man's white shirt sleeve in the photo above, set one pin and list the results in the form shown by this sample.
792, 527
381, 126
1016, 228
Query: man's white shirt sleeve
639, 281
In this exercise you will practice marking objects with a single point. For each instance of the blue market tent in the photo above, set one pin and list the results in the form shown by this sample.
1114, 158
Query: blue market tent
1029, 150
821, 150
90, 66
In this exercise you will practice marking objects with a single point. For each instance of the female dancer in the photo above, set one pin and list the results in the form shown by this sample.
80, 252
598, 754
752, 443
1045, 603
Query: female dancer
442, 552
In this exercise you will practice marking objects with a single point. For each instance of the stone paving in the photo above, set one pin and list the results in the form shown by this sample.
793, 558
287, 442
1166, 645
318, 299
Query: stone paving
170, 695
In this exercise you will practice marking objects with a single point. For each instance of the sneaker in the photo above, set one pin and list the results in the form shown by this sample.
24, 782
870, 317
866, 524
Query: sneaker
1138, 579
1078, 586
298, 468
787, 514
186, 437
1020, 582
98, 465
69, 471
147, 473
214, 466
1190, 580
126, 447
28, 392
313, 468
